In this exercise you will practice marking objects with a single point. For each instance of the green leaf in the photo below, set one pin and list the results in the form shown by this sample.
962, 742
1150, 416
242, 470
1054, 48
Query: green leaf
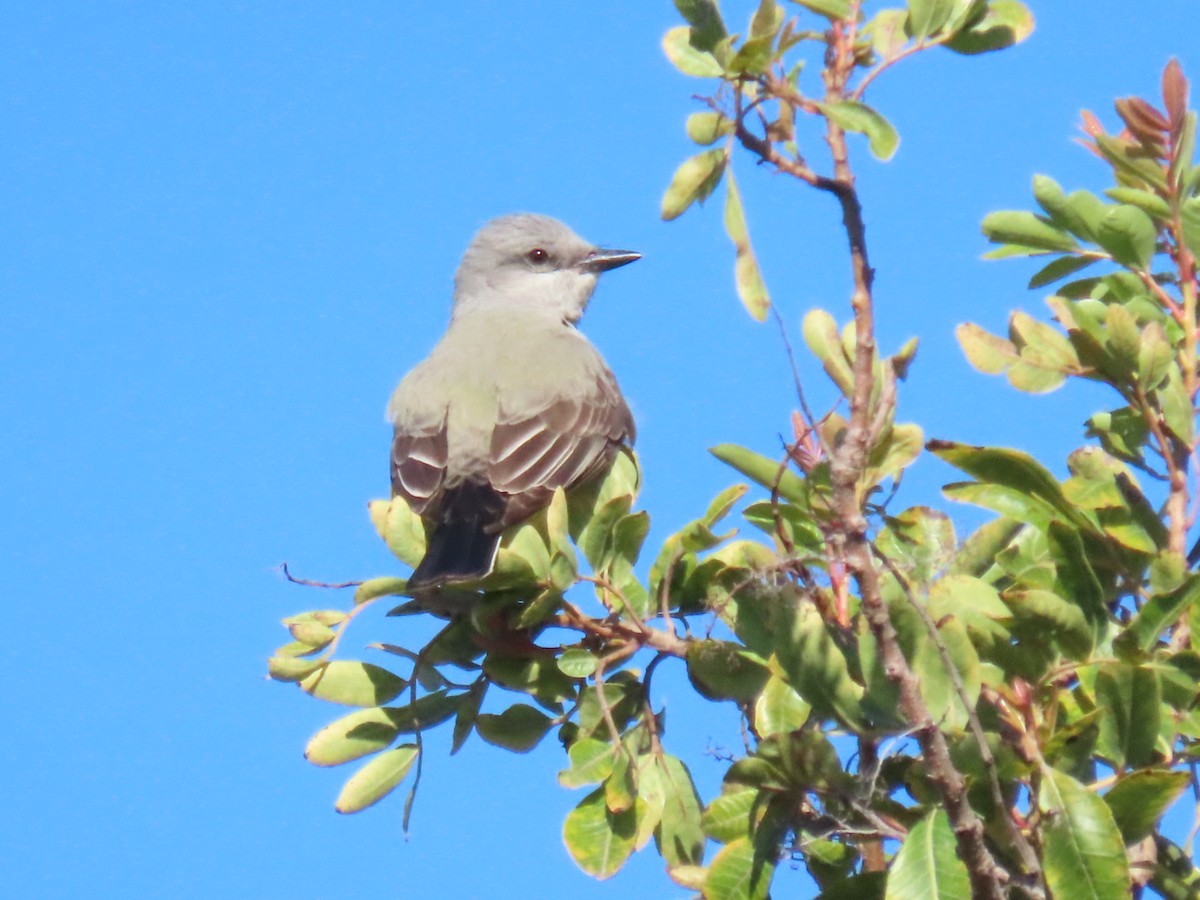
729, 816
926, 17
779, 709
651, 798
400, 528
466, 715
767, 20
705, 18
708, 127
353, 683
834, 10
1139, 799
539, 677
523, 558
766, 471
1005, 23
577, 663
680, 836
888, 32
519, 728
678, 47
695, 179
1130, 699
747, 277
1129, 236
722, 670
739, 872
1059, 619
620, 791
598, 839
351, 737
821, 334
1151, 204
927, 866
556, 523
1076, 574
815, 664
1042, 344
424, 712
1160, 611
988, 353
754, 57
1190, 214
919, 541
851, 115
1026, 230
690, 877
1059, 269
1013, 469
1006, 501
376, 779
379, 587
1083, 853
591, 762
291, 668
897, 451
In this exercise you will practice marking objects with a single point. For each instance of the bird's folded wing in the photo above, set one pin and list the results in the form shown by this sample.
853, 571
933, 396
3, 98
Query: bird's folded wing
566, 442
419, 456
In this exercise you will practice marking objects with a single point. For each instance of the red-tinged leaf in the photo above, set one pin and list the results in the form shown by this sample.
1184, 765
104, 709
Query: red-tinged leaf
1175, 92
1090, 125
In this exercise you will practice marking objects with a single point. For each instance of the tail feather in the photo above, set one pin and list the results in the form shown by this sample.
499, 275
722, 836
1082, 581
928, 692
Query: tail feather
463, 541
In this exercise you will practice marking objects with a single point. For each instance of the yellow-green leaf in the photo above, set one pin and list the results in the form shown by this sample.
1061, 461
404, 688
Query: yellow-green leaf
353, 683
747, 276
376, 779
598, 839
693, 181
851, 115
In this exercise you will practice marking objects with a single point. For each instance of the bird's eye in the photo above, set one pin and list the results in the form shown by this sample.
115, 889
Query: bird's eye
537, 255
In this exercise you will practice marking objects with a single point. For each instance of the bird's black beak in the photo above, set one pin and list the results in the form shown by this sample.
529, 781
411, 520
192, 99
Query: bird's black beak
603, 260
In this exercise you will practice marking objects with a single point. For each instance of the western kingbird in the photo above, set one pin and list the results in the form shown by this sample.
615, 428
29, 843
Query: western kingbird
513, 401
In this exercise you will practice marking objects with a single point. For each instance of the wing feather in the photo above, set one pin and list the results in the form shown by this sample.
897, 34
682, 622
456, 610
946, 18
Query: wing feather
419, 460
567, 442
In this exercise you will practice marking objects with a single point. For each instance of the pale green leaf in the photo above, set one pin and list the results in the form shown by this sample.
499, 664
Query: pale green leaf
353, 683
599, 840
851, 115
749, 281
693, 181
376, 779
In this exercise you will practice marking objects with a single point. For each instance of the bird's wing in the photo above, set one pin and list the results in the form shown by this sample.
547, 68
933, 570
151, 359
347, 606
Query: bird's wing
419, 456
565, 442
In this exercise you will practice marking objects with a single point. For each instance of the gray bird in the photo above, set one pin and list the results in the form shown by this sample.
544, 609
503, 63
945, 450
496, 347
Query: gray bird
513, 401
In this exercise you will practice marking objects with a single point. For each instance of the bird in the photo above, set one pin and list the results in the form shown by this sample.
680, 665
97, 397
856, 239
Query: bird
512, 402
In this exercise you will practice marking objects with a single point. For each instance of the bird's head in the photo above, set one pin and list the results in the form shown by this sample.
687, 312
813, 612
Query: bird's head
527, 261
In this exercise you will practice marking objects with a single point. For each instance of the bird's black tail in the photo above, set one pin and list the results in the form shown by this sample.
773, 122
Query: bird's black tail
462, 543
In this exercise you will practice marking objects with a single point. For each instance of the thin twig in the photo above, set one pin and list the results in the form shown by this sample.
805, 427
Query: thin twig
283, 567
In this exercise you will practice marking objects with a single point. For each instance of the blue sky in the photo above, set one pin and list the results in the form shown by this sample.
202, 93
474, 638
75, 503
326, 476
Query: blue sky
229, 228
